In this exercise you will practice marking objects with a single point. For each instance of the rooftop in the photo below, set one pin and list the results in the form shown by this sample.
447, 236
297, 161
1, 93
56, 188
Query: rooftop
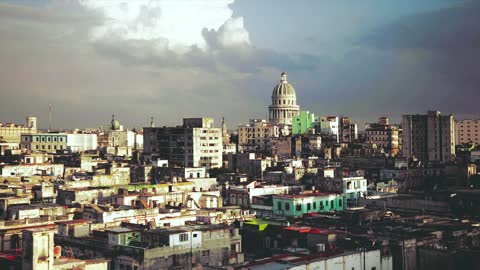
306, 195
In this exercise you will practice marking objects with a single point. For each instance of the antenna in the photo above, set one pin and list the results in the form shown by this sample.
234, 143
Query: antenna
49, 117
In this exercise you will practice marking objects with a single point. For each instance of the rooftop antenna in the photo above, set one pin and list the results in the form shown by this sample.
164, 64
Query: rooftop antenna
49, 117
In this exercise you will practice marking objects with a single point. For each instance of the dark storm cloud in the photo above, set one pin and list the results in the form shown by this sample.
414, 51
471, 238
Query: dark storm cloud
444, 49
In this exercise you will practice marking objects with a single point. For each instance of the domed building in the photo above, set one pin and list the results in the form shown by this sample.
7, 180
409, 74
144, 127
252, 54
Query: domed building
284, 103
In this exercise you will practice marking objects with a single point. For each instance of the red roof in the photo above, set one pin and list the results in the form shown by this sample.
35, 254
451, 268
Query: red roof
306, 229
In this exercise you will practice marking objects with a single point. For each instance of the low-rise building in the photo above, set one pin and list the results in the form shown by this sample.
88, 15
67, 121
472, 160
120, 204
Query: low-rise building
243, 195
80, 142
177, 248
47, 142
298, 205
352, 188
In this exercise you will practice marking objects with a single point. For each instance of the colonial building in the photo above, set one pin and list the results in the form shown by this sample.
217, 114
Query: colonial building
10, 133
429, 137
256, 135
47, 142
284, 103
195, 144
383, 135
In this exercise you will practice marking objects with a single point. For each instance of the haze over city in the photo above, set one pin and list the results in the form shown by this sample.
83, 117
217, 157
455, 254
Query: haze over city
174, 59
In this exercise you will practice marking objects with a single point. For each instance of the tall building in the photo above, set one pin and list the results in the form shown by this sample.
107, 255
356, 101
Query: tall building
467, 131
256, 135
348, 130
303, 123
383, 135
195, 144
284, 103
429, 137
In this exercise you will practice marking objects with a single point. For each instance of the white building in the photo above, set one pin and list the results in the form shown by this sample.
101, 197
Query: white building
243, 195
355, 260
195, 144
284, 103
328, 125
256, 135
29, 170
79, 142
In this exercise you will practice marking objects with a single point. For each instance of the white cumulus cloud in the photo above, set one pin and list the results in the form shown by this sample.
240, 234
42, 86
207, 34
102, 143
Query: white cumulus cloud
178, 25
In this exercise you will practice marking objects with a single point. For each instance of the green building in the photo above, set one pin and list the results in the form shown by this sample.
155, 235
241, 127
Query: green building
298, 205
303, 122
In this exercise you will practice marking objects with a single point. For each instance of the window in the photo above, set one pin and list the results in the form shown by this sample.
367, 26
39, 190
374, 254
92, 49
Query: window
314, 205
309, 206
279, 204
340, 203
287, 206
183, 237
298, 207
194, 235
332, 204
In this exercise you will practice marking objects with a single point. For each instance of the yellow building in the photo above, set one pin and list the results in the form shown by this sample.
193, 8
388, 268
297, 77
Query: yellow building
11, 133
49, 142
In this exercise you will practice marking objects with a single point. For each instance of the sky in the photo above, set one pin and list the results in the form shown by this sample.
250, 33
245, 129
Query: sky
172, 59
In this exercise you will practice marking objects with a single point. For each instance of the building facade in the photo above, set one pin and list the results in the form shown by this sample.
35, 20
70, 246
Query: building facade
429, 137
284, 103
11, 133
467, 131
79, 142
256, 135
195, 144
348, 130
298, 205
383, 135
303, 123
47, 142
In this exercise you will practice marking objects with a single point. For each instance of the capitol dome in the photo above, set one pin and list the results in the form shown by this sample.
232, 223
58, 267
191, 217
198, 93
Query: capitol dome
284, 103
283, 88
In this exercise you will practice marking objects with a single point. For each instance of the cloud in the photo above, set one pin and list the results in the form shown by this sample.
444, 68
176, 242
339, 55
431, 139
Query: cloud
175, 25
199, 34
